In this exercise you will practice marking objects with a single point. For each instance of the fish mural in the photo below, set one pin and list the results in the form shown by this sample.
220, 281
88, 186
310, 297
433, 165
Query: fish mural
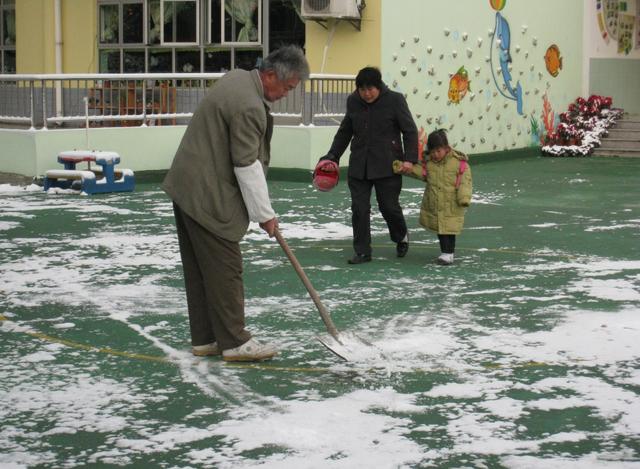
459, 85
502, 35
552, 60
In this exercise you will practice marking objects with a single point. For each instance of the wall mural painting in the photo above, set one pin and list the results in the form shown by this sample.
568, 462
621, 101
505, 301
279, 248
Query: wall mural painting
548, 120
460, 81
553, 60
502, 40
497, 4
536, 135
459, 85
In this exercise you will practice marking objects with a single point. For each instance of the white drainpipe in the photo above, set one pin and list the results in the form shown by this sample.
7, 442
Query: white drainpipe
58, 52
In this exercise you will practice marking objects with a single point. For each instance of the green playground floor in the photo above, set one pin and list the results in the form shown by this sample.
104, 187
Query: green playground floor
525, 353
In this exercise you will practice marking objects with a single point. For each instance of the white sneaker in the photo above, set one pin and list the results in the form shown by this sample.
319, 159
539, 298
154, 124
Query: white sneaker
445, 259
250, 351
206, 350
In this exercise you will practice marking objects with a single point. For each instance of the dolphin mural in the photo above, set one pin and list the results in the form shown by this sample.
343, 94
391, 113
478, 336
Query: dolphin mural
502, 33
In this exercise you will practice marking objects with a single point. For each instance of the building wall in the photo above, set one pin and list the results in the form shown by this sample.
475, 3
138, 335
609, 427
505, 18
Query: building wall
34, 36
461, 36
79, 36
617, 78
612, 68
35, 47
602, 41
347, 49
145, 148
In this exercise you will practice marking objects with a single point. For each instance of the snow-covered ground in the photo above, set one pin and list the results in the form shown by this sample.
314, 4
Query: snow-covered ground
525, 354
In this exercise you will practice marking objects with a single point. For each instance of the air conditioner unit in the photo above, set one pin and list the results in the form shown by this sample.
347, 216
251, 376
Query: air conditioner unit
323, 9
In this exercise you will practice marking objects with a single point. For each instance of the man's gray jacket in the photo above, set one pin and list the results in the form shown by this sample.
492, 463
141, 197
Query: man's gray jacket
231, 127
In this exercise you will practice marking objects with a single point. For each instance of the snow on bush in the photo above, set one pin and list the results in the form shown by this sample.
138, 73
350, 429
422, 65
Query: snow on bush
581, 127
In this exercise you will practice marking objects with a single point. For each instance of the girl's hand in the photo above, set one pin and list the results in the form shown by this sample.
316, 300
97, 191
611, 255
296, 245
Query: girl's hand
407, 167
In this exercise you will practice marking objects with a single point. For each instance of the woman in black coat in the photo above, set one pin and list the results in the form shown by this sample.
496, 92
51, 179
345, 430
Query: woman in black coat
380, 128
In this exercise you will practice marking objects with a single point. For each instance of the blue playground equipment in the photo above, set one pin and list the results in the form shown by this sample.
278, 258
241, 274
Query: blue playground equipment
104, 177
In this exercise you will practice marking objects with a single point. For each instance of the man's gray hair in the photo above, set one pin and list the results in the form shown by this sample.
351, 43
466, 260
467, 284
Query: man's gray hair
287, 62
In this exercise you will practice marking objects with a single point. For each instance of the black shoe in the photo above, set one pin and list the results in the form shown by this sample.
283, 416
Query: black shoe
401, 248
360, 259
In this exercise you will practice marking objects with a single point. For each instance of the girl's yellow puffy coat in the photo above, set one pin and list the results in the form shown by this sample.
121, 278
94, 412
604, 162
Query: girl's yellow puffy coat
443, 206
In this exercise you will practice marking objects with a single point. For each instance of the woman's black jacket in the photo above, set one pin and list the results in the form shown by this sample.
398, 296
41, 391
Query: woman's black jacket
375, 132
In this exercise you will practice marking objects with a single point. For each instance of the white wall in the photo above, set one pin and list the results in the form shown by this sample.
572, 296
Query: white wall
610, 69
33, 152
596, 46
423, 36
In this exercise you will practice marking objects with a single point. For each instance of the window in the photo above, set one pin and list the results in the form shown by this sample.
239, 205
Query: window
217, 60
132, 23
154, 22
285, 23
181, 36
121, 23
133, 60
160, 61
110, 61
247, 59
109, 24
215, 22
232, 26
121, 31
240, 21
187, 60
180, 20
7, 36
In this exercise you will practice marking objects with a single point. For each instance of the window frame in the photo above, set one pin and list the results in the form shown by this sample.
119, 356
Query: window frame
203, 43
179, 44
119, 45
210, 9
223, 41
147, 27
5, 6
144, 26
120, 40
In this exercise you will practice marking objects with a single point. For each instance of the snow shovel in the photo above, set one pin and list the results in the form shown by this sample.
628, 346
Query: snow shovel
348, 347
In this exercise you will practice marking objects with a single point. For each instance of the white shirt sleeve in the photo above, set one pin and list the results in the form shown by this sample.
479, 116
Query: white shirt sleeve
255, 193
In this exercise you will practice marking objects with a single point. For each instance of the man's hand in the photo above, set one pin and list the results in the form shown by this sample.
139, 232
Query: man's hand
407, 167
270, 226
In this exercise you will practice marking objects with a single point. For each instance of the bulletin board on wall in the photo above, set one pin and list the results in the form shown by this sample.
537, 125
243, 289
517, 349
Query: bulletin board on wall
619, 26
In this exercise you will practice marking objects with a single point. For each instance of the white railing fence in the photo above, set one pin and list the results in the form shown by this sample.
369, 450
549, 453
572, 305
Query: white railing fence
121, 100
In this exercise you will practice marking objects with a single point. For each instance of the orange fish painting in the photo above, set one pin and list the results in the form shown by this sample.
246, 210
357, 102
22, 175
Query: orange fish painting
552, 60
459, 85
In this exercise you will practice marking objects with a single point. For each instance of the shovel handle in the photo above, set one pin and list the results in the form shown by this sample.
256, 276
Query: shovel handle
324, 314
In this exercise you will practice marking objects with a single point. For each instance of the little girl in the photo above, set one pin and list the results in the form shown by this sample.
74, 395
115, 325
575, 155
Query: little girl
447, 194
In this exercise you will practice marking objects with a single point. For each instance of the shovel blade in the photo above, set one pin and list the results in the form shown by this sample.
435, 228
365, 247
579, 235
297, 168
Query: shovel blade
333, 346
350, 347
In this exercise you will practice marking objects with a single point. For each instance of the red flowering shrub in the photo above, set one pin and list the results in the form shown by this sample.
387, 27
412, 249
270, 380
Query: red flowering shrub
581, 126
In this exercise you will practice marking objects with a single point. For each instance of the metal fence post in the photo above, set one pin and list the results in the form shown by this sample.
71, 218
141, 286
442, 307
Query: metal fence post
44, 105
307, 118
32, 105
144, 103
